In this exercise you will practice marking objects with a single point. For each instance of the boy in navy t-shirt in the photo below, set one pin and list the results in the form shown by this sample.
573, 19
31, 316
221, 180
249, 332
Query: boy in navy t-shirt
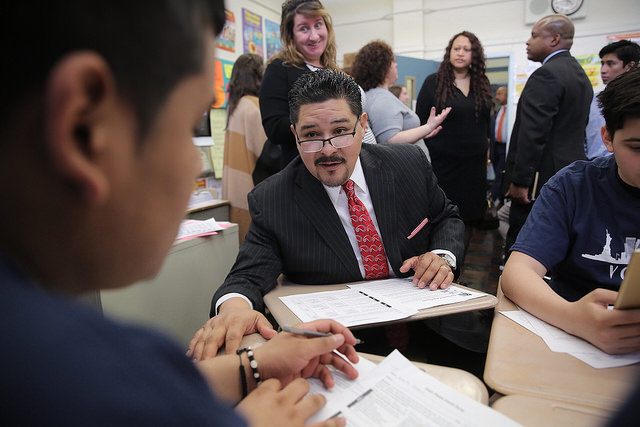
581, 232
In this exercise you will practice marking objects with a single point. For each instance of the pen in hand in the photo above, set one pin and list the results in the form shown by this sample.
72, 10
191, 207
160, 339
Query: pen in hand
308, 333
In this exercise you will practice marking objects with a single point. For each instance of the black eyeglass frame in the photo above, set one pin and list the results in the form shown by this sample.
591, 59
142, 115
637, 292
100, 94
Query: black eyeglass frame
329, 140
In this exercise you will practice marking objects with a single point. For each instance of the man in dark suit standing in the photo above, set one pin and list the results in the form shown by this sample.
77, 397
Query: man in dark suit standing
553, 110
303, 220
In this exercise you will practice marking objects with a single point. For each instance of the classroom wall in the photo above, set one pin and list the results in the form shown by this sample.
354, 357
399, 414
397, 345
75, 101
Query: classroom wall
422, 29
267, 9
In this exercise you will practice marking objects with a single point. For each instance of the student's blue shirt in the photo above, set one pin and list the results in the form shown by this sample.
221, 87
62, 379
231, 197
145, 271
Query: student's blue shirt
61, 364
583, 228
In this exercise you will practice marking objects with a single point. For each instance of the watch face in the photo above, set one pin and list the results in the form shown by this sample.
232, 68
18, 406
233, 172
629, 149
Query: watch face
566, 7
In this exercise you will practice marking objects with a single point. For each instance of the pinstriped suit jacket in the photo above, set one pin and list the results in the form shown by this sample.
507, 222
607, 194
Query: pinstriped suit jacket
295, 229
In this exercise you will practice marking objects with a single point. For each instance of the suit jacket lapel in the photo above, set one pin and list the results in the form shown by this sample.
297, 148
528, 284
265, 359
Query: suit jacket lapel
313, 201
380, 182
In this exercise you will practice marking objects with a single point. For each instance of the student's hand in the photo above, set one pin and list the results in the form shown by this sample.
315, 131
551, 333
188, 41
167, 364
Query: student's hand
289, 356
434, 121
429, 269
235, 319
518, 194
612, 331
269, 405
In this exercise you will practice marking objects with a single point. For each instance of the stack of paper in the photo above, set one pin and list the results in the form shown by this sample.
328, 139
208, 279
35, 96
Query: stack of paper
372, 302
562, 342
397, 393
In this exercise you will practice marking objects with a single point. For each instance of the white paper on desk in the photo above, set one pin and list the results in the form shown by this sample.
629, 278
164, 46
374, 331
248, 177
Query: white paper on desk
403, 293
344, 388
397, 393
194, 228
561, 342
348, 306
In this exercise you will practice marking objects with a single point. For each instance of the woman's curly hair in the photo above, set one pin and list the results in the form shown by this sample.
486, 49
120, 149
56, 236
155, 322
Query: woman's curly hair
372, 63
477, 72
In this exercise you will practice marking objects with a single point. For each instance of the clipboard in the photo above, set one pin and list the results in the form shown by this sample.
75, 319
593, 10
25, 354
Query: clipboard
629, 295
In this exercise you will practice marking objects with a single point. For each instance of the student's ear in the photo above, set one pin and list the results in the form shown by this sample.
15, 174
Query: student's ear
75, 97
606, 138
629, 66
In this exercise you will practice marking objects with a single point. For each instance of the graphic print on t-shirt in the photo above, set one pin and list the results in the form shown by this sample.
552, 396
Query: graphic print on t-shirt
630, 244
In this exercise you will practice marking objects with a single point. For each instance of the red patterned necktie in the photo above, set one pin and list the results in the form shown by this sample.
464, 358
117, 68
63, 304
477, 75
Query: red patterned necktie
373, 257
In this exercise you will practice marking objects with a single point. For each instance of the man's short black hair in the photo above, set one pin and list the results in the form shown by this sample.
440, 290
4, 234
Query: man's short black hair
149, 45
621, 99
625, 50
324, 85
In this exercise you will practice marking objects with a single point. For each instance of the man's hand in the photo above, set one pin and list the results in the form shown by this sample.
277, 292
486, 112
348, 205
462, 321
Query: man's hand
429, 269
235, 319
289, 356
612, 331
518, 194
269, 405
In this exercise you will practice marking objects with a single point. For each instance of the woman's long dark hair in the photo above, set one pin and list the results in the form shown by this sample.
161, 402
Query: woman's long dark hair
477, 72
245, 80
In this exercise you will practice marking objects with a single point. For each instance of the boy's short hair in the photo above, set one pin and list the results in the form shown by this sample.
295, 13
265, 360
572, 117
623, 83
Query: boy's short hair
149, 45
621, 99
625, 50
324, 85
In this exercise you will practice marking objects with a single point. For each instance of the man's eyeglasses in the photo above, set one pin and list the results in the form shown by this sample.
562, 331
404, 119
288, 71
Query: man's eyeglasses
339, 141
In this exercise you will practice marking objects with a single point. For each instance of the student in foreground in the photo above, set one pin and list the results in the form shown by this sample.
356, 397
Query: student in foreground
99, 100
582, 231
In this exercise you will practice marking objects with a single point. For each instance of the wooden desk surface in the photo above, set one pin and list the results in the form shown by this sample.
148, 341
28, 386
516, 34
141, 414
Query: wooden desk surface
462, 381
519, 362
284, 316
536, 411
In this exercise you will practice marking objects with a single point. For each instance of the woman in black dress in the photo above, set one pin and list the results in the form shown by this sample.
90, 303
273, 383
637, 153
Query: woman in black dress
459, 151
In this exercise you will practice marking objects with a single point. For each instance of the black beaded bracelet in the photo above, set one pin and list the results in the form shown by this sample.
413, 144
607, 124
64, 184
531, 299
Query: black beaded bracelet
253, 363
243, 377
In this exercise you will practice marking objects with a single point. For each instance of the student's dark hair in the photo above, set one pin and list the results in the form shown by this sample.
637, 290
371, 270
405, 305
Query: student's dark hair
620, 99
625, 50
245, 80
149, 45
372, 63
446, 87
324, 85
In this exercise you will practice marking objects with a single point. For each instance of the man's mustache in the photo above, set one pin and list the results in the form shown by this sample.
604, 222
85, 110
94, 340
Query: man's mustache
329, 159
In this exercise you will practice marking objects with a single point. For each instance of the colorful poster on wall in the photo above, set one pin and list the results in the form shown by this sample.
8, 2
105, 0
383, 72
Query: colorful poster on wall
227, 38
634, 37
252, 32
591, 65
220, 82
272, 37
218, 123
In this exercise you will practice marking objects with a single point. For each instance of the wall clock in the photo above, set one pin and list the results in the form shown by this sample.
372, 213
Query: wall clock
566, 7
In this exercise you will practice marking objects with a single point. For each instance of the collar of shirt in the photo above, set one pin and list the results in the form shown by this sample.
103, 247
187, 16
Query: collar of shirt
553, 54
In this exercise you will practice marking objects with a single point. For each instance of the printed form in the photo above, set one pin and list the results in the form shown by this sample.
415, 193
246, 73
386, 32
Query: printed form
561, 342
372, 302
397, 393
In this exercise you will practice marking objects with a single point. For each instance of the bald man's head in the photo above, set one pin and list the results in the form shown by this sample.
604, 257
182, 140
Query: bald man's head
548, 35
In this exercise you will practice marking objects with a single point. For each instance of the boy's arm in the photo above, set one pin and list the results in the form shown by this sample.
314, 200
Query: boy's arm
613, 331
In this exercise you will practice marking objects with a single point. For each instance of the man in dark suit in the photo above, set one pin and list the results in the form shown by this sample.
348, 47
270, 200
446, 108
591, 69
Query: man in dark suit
553, 110
301, 223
